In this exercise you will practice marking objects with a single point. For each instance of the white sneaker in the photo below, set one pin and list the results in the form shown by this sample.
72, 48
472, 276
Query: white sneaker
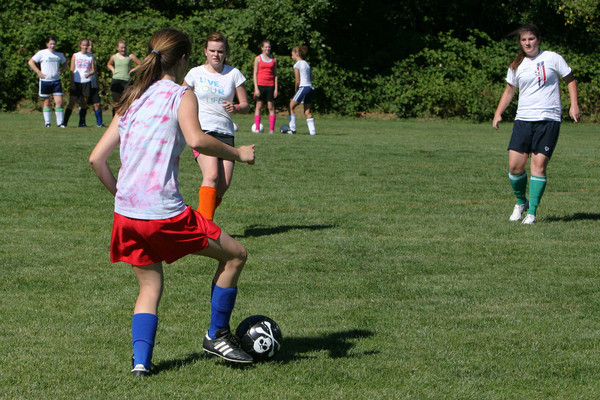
529, 219
518, 211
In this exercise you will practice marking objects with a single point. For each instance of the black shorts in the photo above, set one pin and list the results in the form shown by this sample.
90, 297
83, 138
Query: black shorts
221, 137
118, 85
534, 137
94, 96
266, 93
80, 89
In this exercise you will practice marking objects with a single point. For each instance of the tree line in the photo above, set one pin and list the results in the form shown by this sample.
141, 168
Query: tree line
412, 58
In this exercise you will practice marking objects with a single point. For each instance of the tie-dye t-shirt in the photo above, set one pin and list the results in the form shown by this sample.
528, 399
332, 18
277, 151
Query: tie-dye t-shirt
151, 143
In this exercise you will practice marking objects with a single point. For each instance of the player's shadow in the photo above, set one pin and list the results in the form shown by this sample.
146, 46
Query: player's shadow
257, 230
574, 217
337, 345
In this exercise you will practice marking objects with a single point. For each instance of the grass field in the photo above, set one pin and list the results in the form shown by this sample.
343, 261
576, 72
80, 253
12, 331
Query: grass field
381, 247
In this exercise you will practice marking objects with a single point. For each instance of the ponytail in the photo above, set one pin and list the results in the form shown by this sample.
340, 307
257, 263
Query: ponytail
165, 49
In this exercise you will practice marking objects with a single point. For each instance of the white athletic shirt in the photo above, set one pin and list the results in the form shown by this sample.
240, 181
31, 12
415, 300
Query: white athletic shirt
538, 82
304, 69
83, 66
50, 62
151, 144
211, 90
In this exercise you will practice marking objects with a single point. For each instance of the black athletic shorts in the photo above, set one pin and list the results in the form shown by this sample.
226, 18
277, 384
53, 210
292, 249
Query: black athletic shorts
534, 137
221, 137
94, 96
80, 89
118, 85
266, 93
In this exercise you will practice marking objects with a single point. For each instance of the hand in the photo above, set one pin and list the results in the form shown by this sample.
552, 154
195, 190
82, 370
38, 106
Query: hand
246, 154
497, 119
229, 107
42, 75
574, 112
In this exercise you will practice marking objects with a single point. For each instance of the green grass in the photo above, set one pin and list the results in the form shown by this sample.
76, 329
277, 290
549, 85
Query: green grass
381, 247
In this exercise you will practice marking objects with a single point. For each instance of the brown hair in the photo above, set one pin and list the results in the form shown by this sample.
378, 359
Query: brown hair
165, 49
301, 51
514, 64
218, 37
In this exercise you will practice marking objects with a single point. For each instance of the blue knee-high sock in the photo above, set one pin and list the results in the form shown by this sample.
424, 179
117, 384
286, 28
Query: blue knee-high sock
98, 117
143, 333
221, 307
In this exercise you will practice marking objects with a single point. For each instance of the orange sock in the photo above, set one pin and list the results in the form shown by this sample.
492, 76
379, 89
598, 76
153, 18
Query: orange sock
207, 197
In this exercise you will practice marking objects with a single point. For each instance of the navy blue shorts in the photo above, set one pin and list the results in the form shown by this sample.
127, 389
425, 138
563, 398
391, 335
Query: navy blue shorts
304, 95
534, 137
50, 88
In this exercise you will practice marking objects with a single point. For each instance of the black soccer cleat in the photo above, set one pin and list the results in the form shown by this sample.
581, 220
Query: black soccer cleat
226, 346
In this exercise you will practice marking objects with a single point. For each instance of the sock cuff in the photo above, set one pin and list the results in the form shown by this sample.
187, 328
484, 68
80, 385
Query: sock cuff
58, 109
46, 109
208, 189
517, 177
539, 178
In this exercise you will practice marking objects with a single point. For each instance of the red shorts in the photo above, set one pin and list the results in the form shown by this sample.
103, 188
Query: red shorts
144, 242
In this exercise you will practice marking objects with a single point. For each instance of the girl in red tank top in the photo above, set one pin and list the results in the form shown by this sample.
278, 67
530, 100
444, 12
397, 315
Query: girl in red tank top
265, 85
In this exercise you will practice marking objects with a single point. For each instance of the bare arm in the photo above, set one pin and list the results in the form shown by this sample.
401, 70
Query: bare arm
572, 87
276, 80
98, 159
136, 61
33, 65
507, 96
203, 143
297, 76
93, 67
242, 106
255, 77
111, 64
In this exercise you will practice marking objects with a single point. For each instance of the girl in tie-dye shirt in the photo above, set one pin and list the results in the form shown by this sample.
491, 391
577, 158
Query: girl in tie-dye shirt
154, 121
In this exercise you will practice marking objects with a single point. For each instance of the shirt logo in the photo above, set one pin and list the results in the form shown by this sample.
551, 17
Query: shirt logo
540, 73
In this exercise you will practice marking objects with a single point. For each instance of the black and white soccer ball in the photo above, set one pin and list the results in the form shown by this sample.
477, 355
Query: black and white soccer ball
261, 128
284, 129
260, 337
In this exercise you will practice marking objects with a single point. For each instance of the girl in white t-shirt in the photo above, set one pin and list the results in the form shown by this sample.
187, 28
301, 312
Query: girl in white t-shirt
52, 65
216, 84
536, 74
155, 119
303, 89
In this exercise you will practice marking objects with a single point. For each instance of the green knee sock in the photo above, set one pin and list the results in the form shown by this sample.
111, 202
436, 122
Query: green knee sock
519, 185
537, 185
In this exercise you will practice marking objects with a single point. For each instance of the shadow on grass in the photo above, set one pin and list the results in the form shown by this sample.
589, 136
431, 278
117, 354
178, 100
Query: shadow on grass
575, 217
336, 344
256, 230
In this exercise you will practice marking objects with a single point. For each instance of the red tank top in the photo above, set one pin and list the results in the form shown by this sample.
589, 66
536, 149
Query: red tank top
265, 75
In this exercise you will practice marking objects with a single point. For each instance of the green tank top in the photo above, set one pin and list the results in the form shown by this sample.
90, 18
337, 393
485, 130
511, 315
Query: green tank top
121, 67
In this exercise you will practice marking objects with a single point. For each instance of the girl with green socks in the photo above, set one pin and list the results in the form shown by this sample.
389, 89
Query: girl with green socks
536, 74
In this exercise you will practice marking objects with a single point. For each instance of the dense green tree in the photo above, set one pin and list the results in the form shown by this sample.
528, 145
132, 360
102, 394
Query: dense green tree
367, 55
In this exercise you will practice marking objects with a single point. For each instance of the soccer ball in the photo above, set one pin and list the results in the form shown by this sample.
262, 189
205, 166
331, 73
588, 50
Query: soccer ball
235, 127
260, 337
261, 128
284, 129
